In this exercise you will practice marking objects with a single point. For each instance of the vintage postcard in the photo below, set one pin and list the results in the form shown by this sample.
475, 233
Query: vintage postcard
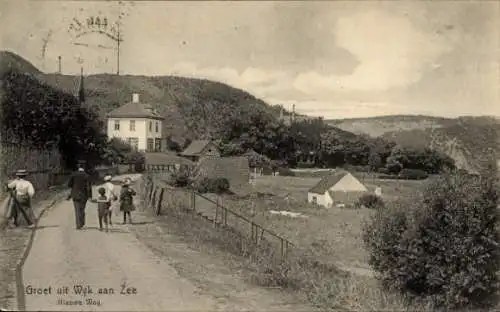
249, 155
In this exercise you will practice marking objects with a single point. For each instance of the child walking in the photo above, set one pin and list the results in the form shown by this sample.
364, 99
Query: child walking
127, 201
103, 207
110, 194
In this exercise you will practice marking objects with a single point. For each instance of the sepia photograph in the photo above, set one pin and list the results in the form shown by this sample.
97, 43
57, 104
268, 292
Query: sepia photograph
249, 155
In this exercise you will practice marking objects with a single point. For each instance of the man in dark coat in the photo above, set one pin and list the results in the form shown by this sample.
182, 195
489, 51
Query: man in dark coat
81, 192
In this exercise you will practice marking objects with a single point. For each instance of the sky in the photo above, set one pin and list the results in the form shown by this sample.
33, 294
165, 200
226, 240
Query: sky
336, 59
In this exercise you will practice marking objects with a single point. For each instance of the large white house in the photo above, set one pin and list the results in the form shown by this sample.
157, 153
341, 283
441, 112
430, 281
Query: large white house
138, 124
338, 188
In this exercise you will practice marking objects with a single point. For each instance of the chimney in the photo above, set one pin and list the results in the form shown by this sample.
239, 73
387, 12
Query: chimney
135, 98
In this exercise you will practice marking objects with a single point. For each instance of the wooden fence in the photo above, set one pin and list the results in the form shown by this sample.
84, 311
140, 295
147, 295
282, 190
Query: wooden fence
159, 197
155, 168
44, 166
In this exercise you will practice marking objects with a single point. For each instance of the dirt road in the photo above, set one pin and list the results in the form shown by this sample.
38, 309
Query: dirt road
75, 270
70, 270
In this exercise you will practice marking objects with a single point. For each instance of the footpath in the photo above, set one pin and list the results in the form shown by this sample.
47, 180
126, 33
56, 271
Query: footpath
14, 245
90, 270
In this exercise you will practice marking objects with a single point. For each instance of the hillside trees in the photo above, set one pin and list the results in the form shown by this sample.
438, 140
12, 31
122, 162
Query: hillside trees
117, 151
307, 138
43, 117
428, 160
249, 127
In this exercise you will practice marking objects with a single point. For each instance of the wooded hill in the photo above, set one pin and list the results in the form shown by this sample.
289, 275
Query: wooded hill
466, 139
192, 108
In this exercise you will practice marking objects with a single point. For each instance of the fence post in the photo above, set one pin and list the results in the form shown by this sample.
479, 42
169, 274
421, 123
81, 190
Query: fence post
150, 202
146, 195
225, 216
254, 232
160, 199
282, 249
216, 211
150, 194
194, 201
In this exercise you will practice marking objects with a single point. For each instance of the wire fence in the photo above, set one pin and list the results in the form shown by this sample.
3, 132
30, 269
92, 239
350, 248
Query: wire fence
160, 197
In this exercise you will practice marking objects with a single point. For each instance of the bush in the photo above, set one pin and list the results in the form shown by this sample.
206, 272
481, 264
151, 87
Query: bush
209, 185
180, 179
202, 186
222, 185
371, 201
444, 247
413, 174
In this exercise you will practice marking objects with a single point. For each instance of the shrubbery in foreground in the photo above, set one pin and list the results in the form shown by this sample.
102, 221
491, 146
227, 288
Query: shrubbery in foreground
444, 248
212, 185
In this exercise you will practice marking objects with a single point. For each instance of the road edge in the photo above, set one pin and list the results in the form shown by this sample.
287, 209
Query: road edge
20, 295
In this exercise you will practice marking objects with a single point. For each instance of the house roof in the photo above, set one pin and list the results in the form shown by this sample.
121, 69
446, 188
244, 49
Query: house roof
328, 181
135, 110
196, 147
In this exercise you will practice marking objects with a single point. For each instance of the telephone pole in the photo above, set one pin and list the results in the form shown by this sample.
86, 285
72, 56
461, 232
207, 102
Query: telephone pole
118, 48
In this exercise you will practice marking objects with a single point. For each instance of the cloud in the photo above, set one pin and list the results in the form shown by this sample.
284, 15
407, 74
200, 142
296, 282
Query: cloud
257, 81
391, 52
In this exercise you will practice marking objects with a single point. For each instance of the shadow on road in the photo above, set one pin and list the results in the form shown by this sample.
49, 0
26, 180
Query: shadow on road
141, 223
41, 227
111, 230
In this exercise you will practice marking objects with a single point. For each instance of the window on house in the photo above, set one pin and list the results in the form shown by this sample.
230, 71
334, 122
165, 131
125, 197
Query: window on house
132, 125
157, 127
157, 145
150, 145
150, 126
134, 143
117, 125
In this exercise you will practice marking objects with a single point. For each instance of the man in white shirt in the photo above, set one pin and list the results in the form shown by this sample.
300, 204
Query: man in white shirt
22, 191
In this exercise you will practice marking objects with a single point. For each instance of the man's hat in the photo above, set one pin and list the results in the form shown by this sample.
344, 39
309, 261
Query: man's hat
21, 173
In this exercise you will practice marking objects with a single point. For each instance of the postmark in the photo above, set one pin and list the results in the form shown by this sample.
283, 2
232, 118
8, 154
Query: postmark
93, 39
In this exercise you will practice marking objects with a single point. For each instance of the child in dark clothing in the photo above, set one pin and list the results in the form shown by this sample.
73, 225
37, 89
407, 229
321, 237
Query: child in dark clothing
127, 201
103, 208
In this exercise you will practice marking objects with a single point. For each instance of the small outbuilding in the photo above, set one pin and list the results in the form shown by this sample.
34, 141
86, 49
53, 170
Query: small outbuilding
337, 188
200, 148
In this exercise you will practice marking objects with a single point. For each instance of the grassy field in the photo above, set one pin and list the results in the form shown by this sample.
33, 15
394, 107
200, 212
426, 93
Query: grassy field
322, 240
325, 240
333, 233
